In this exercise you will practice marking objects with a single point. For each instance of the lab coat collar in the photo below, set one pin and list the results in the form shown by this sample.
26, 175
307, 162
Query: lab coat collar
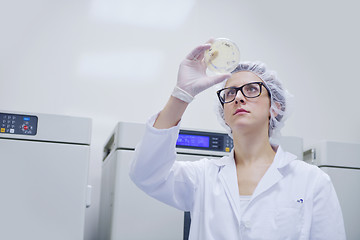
228, 176
276, 171
281, 160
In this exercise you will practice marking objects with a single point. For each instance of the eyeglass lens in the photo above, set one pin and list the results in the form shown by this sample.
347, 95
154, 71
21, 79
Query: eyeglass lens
249, 90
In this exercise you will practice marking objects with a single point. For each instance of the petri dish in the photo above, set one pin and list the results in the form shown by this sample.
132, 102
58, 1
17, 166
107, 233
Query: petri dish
223, 56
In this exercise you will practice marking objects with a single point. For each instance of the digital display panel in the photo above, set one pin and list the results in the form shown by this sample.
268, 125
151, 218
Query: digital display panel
193, 141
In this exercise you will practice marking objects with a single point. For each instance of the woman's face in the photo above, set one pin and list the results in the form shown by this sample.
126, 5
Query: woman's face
247, 113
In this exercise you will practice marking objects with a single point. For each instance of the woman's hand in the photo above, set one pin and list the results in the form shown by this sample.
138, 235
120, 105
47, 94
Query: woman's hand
192, 78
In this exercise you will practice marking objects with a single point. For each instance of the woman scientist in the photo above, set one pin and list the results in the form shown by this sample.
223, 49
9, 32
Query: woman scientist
259, 191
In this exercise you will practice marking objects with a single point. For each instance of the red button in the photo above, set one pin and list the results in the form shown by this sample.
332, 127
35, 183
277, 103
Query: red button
25, 127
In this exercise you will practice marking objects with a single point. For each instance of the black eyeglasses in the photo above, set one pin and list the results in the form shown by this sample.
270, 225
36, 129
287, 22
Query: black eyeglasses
249, 90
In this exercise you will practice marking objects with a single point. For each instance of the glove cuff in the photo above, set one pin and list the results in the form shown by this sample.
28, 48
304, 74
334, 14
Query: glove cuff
182, 95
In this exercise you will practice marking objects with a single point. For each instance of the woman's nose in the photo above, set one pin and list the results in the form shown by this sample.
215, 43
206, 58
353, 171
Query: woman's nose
239, 98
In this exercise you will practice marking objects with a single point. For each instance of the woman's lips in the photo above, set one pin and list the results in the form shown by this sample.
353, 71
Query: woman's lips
240, 111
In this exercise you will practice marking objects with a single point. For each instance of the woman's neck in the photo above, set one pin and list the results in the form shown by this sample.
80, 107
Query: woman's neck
252, 148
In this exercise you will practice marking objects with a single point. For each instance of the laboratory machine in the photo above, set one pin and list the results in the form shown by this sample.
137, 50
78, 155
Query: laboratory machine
341, 161
44, 161
128, 213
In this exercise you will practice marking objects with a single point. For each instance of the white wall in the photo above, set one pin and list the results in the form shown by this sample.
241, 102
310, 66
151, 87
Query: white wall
115, 60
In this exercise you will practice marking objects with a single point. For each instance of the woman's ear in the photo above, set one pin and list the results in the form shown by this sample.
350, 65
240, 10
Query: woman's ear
278, 106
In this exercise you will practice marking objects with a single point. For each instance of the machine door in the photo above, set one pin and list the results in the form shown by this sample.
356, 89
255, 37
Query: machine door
43, 190
346, 182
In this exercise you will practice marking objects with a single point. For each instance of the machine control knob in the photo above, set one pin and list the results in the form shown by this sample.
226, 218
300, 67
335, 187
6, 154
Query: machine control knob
27, 129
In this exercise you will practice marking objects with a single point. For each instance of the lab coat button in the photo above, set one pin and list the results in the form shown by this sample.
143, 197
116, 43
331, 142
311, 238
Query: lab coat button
242, 227
247, 224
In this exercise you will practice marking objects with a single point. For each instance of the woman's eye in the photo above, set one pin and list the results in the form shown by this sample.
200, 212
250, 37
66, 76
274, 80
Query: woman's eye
252, 88
231, 92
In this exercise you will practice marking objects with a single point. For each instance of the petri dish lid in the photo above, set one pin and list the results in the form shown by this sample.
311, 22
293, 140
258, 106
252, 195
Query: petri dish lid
223, 56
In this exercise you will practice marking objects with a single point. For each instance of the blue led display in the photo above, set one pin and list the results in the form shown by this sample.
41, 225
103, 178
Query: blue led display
193, 141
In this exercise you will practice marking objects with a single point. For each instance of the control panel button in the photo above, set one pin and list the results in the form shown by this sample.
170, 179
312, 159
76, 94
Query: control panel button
18, 124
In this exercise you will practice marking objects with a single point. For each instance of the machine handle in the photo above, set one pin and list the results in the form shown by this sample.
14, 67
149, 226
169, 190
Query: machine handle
310, 155
88, 196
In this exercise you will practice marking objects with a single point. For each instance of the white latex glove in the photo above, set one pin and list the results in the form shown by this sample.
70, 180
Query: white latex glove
192, 78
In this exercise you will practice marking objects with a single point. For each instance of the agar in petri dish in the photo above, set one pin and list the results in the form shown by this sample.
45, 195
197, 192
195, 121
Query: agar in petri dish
223, 56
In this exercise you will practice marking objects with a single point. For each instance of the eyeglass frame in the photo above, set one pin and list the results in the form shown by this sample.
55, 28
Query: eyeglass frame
241, 90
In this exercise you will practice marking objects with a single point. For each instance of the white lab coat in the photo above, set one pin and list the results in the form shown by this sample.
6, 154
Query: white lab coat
293, 200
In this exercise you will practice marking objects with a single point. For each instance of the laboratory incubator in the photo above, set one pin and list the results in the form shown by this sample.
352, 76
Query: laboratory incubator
44, 161
341, 161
